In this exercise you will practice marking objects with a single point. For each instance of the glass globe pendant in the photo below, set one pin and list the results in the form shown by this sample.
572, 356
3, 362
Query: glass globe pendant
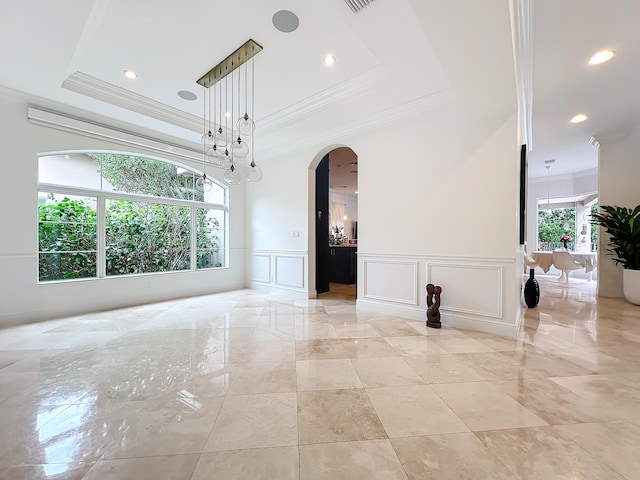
207, 139
240, 149
245, 125
253, 172
225, 159
232, 176
203, 184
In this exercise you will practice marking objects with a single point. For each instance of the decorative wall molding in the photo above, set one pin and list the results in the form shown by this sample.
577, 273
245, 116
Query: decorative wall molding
356, 87
261, 268
390, 115
283, 270
567, 176
378, 272
444, 258
100, 131
474, 290
459, 274
112, 94
289, 270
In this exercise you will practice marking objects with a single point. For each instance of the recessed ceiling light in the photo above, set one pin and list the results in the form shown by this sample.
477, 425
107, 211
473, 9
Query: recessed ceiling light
329, 59
130, 74
581, 117
601, 57
227, 114
187, 95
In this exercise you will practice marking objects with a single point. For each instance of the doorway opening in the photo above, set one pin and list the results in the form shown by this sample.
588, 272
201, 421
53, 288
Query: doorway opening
336, 216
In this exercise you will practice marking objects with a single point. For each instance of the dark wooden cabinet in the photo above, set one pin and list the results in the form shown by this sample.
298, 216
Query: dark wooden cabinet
343, 264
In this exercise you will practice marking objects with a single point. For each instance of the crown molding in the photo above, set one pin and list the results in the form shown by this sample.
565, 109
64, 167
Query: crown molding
113, 134
8, 95
390, 115
106, 92
599, 140
84, 84
566, 176
359, 86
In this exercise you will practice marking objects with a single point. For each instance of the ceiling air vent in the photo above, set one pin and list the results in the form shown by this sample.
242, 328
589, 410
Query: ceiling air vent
357, 5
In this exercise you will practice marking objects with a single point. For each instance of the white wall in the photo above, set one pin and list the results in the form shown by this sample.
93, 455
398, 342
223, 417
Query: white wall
444, 212
618, 185
22, 299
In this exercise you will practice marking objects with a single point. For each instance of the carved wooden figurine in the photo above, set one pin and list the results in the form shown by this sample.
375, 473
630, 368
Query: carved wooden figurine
433, 306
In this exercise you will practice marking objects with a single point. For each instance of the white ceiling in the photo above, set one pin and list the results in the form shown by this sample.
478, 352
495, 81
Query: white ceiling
565, 35
395, 58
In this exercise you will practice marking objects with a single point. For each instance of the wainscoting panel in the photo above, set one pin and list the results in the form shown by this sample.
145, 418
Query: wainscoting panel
468, 289
261, 268
289, 270
391, 281
279, 271
477, 293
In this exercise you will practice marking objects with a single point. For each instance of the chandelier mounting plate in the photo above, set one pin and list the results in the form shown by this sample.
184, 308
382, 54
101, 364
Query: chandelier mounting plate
229, 64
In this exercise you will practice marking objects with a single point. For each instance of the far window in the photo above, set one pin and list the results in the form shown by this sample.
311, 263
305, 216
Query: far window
107, 214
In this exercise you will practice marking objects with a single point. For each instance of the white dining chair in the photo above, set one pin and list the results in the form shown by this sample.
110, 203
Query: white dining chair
564, 261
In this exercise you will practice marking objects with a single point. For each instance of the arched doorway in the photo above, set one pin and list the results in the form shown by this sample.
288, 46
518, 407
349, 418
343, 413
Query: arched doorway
334, 221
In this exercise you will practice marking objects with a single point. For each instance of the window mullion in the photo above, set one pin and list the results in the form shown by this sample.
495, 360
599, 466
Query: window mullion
101, 238
194, 238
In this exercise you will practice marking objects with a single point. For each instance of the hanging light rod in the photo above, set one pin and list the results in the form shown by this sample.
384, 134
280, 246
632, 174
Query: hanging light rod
229, 64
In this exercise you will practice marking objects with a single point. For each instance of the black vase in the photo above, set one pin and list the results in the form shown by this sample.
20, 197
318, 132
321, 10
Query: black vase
531, 291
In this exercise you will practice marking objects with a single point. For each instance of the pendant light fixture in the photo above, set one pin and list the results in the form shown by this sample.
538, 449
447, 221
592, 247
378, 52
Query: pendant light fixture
253, 173
203, 184
344, 199
228, 146
547, 165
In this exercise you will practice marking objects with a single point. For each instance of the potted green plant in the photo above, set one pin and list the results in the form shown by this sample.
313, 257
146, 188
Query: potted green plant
623, 226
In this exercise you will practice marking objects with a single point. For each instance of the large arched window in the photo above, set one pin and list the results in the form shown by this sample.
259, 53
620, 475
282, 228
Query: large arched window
103, 214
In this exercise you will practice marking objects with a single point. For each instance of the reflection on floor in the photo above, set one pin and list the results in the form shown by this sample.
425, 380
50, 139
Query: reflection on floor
340, 291
245, 385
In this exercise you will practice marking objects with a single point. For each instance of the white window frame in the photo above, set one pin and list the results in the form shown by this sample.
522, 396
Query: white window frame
103, 195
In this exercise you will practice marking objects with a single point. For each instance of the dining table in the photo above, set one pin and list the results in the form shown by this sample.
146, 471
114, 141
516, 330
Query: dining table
588, 259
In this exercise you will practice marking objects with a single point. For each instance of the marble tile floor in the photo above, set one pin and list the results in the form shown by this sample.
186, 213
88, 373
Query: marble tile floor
244, 385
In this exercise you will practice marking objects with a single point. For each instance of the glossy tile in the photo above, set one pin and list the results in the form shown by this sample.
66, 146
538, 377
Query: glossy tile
254, 421
256, 464
246, 384
610, 396
615, 443
313, 331
542, 453
395, 329
320, 349
368, 347
326, 375
461, 344
483, 406
264, 377
47, 471
416, 346
175, 467
368, 460
360, 330
453, 456
444, 368
551, 402
337, 416
385, 372
176, 424
413, 410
